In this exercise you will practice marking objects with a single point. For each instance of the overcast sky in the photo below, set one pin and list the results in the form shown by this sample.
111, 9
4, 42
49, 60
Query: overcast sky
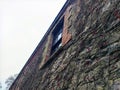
22, 25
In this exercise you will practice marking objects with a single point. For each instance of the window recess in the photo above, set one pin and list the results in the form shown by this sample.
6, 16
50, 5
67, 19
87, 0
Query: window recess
57, 36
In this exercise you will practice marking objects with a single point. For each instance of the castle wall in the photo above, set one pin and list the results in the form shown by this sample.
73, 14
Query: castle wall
89, 58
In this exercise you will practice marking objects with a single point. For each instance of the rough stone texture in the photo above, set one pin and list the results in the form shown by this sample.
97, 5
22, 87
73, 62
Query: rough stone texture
90, 60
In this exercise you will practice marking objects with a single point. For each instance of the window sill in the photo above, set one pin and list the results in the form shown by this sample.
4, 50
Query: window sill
51, 58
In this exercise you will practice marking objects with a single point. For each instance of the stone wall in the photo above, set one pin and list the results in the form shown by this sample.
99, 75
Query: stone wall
91, 59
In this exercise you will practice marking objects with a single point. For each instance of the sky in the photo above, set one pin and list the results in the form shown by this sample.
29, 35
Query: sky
22, 25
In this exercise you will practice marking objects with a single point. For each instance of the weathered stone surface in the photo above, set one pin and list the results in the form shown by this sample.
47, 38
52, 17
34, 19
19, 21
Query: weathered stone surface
90, 60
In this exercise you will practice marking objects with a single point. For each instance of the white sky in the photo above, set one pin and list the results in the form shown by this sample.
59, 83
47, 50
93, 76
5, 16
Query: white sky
22, 25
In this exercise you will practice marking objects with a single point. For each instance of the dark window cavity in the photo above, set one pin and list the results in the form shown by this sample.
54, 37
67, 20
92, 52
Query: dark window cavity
57, 36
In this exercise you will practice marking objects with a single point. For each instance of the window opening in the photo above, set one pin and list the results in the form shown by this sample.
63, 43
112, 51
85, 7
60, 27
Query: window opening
57, 36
